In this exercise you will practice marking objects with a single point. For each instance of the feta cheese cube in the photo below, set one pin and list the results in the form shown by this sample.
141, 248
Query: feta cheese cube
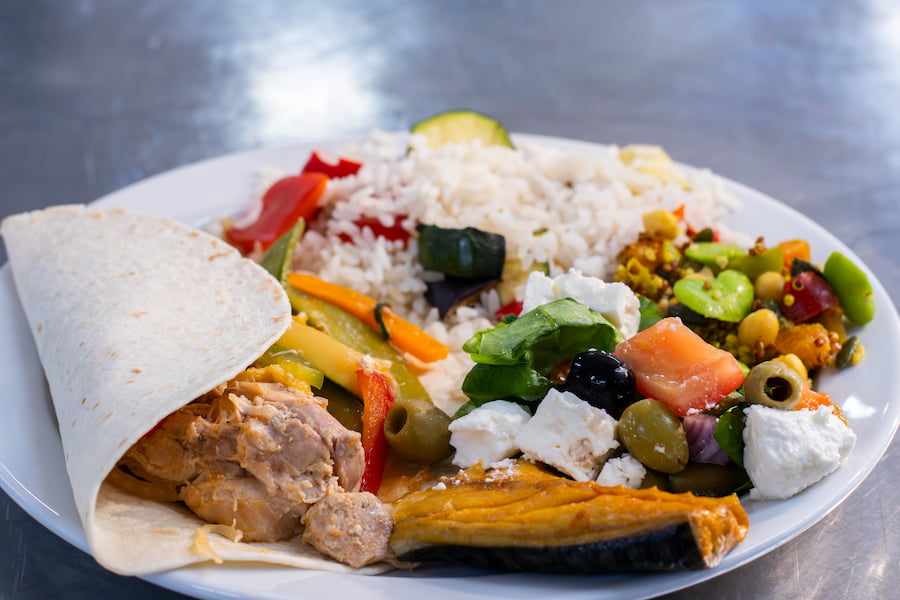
487, 434
569, 435
615, 301
625, 470
786, 451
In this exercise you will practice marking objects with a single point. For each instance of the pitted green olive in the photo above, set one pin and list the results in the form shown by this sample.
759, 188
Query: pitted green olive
775, 384
705, 479
653, 434
418, 431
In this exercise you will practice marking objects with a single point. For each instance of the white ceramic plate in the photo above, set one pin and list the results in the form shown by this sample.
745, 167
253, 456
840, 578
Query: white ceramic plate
33, 473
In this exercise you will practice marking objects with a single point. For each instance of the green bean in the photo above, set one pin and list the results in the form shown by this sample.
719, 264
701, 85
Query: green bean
775, 384
852, 287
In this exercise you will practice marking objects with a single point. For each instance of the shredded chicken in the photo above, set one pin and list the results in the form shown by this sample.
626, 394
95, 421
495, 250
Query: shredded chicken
254, 455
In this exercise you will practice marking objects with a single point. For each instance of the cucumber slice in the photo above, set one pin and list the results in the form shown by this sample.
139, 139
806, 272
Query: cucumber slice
459, 126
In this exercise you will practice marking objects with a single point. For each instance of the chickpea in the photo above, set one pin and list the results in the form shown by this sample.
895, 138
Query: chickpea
769, 285
760, 326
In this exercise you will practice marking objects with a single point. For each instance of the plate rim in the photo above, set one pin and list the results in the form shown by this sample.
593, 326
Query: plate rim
184, 580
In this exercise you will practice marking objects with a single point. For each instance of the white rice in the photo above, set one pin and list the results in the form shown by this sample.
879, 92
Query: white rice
586, 202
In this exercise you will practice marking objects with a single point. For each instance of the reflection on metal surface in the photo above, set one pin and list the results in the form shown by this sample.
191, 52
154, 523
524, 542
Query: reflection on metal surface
312, 99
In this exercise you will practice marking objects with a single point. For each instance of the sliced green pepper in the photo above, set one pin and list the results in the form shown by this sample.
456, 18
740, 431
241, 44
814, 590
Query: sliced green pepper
277, 259
292, 362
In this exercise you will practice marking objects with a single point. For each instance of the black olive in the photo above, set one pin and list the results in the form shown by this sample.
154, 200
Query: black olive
602, 380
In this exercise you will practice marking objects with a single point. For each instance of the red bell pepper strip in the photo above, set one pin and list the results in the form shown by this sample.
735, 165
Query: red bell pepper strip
513, 308
394, 232
287, 200
319, 162
378, 396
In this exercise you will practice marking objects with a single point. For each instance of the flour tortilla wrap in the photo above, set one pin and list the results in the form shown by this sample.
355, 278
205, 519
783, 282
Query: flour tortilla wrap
135, 316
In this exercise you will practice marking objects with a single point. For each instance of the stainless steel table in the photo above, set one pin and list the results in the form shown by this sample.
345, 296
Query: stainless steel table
796, 99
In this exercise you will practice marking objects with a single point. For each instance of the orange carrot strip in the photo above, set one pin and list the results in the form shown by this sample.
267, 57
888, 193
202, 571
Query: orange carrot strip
405, 336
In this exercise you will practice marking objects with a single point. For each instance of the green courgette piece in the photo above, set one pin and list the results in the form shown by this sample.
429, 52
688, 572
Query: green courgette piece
467, 252
461, 126
353, 332
277, 259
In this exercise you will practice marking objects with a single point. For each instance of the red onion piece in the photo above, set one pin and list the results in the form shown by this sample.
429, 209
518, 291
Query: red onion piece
702, 446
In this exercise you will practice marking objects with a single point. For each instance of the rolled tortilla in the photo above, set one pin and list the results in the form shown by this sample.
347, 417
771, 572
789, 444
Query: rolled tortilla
135, 316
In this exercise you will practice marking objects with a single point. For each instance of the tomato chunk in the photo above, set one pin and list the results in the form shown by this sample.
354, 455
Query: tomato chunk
676, 366
806, 295
287, 200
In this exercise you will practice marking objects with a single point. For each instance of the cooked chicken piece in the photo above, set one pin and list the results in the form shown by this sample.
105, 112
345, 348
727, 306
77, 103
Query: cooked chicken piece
243, 501
252, 454
353, 528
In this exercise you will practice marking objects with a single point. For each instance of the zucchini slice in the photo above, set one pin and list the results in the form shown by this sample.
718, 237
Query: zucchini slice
459, 126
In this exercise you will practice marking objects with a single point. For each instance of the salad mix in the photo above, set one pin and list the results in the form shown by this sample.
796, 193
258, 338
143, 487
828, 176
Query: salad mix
692, 370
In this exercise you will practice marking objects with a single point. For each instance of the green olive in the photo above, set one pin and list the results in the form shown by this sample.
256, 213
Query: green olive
418, 431
775, 384
653, 434
704, 479
655, 479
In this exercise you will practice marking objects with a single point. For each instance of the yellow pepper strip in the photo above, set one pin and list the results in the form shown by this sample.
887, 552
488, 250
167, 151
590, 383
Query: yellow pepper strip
337, 361
405, 336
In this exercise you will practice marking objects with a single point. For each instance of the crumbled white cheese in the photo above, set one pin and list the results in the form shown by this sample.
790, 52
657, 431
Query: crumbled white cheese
615, 301
786, 451
625, 470
487, 434
569, 435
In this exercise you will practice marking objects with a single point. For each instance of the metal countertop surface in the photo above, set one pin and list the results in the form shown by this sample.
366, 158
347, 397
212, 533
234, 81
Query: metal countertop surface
798, 100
